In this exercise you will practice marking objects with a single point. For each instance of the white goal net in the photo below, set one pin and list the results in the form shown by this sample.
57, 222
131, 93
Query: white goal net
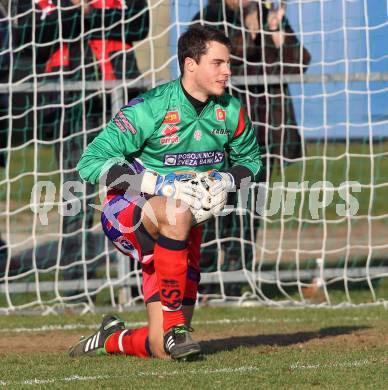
315, 86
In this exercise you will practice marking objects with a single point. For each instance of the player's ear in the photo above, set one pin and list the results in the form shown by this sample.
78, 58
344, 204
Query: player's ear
190, 64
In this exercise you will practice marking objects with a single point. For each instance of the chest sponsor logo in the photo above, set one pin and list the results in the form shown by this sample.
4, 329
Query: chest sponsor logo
220, 131
172, 118
194, 159
220, 114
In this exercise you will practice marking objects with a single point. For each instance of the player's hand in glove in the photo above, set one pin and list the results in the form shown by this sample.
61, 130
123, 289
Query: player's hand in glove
218, 184
180, 186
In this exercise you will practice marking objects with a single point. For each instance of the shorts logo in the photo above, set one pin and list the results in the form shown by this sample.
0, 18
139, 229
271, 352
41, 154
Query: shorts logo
220, 114
126, 247
171, 118
125, 243
197, 135
194, 159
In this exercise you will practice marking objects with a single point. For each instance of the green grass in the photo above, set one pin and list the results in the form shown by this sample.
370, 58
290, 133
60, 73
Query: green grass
246, 348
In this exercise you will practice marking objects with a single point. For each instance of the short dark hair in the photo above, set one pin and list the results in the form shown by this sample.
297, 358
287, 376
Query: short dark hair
193, 43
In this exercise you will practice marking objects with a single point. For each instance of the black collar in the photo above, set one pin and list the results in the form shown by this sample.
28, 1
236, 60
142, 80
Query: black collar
197, 104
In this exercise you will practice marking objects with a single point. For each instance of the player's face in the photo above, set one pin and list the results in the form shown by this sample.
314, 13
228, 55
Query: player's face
213, 70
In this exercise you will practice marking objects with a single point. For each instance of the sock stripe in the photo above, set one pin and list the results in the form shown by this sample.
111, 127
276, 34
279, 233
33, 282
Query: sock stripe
120, 342
165, 308
170, 243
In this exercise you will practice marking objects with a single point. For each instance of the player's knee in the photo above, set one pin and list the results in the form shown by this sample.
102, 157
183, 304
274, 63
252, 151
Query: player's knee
177, 223
167, 216
183, 218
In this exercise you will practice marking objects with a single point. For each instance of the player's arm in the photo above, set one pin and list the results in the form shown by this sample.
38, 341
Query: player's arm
124, 135
104, 160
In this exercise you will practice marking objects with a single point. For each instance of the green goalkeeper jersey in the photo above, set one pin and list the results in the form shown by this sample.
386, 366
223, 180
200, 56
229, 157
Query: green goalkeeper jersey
162, 131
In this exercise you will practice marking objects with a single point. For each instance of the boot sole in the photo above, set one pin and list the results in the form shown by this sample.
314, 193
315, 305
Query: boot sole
186, 353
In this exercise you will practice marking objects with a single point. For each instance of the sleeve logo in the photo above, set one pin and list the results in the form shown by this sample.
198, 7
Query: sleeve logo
220, 114
123, 123
172, 118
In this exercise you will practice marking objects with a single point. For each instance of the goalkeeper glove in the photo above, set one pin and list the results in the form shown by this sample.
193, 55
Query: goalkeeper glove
218, 184
182, 186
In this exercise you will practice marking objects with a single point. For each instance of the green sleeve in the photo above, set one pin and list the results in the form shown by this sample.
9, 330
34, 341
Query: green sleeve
124, 135
243, 146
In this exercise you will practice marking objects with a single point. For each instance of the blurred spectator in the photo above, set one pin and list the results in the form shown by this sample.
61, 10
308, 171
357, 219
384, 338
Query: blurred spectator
80, 40
263, 44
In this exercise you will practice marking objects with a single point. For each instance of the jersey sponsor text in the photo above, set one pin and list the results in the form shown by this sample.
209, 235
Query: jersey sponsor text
220, 131
125, 122
193, 159
170, 140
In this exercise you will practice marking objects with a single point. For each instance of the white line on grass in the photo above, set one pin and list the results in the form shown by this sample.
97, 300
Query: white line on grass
243, 320
228, 370
356, 363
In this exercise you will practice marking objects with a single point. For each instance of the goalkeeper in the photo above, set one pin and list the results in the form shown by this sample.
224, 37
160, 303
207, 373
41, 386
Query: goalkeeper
162, 158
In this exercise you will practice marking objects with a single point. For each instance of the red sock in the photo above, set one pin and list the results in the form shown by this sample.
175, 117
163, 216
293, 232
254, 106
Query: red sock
132, 342
170, 259
193, 269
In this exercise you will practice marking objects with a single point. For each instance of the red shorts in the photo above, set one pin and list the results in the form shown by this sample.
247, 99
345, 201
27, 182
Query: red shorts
120, 220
